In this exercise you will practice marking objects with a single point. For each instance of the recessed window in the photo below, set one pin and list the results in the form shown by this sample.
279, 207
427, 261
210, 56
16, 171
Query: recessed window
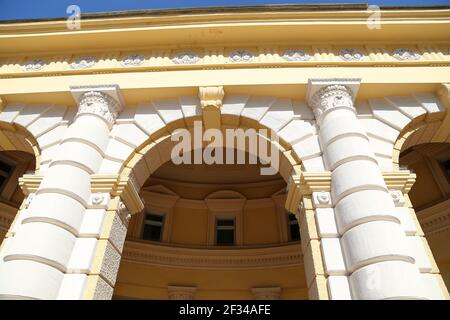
445, 165
294, 230
153, 227
5, 172
225, 228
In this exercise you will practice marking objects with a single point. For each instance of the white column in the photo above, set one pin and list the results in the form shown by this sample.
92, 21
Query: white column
377, 258
36, 258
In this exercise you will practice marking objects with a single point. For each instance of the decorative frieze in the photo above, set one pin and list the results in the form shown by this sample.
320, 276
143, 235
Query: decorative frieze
406, 54
296, 55
133, 60
237, 55
84, 62
35, 65
185, 57
350, 54
213, 259
241, 55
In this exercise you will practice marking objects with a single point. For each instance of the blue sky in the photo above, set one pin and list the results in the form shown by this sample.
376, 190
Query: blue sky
26, 9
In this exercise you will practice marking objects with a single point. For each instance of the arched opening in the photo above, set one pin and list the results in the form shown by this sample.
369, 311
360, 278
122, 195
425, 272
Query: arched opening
18, 153
430, 195
218, 231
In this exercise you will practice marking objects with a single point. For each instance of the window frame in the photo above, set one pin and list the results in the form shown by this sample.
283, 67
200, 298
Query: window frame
154, 223
8, 176
290, 223
217, 228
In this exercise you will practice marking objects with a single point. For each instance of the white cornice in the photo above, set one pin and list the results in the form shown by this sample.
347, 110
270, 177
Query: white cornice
435, 218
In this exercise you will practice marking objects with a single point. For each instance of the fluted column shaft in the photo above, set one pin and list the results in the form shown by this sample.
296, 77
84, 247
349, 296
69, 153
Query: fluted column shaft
374, 245
38, 255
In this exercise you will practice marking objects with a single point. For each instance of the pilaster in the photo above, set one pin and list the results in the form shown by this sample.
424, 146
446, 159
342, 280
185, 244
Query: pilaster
62, 227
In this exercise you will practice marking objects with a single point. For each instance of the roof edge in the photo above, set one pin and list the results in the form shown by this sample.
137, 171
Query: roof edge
229, 9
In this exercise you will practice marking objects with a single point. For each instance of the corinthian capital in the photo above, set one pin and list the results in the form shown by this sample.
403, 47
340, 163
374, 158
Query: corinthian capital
103, 101
326, 94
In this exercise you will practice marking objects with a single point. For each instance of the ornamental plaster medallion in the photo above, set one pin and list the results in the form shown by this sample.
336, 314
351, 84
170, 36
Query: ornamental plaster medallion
295, 55
406, 54
241, 55
124, 214
133, 60
185, 57
397, 197
35, 65
83, 62
97, 198
28, 200
321, 199
350, 54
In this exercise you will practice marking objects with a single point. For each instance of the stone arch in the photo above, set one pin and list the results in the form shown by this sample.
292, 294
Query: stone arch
14, 137
422, 131
139, 126
154, 151
388, 121
149, 157
36, 129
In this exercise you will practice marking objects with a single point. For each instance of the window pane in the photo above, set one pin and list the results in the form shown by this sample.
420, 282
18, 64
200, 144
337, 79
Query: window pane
225, 237
225, 222
5, 167
446, 168
295, 232
154, 217
152, 233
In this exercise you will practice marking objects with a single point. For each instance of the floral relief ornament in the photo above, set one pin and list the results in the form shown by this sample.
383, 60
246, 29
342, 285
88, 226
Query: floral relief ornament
241, 55
83, 62
133, 60
185, 58
100, 104
406, 54
295, 55
331, 97
350, 54
35, 65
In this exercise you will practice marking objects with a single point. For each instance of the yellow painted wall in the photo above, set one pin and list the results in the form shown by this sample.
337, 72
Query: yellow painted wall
150, 282
425, 190
440, 246
261, 225
189, 226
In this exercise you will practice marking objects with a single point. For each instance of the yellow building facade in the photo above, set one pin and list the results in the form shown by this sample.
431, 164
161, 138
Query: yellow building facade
354, 103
